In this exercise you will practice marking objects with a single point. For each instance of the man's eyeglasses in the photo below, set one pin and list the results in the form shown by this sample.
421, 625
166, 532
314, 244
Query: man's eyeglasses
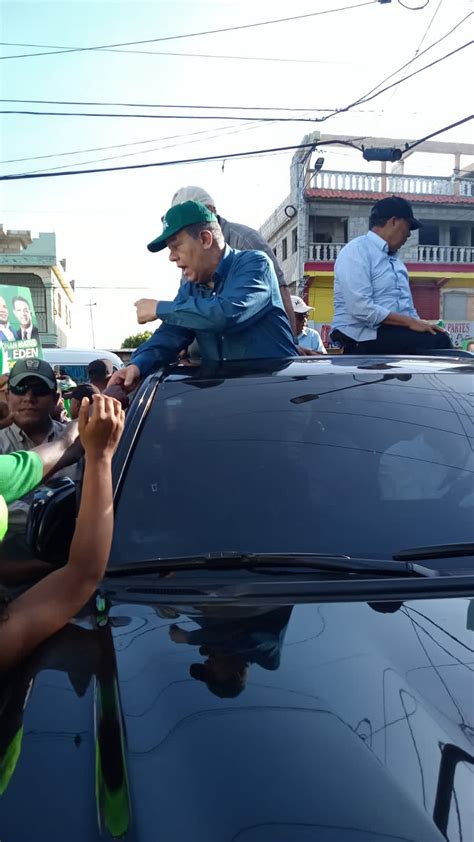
38, 389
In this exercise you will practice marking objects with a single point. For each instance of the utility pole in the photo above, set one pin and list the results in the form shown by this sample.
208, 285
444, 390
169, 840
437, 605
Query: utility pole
90, 305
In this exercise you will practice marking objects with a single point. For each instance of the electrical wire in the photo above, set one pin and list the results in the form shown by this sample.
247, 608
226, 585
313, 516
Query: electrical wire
346, 108
232, 155
253, 154
247, 127
430, 24
196, 34
423, 52
398, 82
251, 118
414, 8
104, 148
409, 146
163, 105
278, 59
415, 54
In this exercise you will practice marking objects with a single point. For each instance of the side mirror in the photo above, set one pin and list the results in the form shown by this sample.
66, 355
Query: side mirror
52, 520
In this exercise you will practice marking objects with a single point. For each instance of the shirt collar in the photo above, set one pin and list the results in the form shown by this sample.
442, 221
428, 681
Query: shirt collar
304, 332
378, 241
224, 264
23, 437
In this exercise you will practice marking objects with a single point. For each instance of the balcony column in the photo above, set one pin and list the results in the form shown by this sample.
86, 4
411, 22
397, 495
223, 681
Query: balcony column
457, 171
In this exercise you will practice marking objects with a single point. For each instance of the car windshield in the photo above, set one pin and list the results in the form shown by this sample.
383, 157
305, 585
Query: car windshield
364, 464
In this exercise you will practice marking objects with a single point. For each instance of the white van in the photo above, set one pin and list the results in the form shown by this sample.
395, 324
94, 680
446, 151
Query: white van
74, 361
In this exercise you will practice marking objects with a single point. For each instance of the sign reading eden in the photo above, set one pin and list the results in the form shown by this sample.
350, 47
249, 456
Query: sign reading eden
19, 335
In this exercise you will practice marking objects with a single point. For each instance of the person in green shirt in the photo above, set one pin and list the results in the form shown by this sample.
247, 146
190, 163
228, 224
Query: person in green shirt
48, 605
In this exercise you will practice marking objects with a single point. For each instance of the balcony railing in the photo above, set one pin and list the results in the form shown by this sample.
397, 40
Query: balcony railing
445, 254
380, 183
327, 252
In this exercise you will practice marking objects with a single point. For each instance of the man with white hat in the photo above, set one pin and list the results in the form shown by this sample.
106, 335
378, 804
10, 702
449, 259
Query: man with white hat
306, 336
239, 237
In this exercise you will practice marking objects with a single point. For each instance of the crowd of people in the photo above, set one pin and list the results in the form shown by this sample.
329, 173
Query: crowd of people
232, 304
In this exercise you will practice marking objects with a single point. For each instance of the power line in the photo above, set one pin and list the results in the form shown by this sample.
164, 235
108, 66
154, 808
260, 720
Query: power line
229, 156
415, 54
423, 52
430, 24
203, 159
368, 98
195, 34
277, 59
346, 108
162, 105
414, 8
251, 118
247, 127
433, 134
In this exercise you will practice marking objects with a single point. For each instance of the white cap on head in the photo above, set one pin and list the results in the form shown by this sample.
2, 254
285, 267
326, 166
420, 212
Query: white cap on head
192, 194
299, 306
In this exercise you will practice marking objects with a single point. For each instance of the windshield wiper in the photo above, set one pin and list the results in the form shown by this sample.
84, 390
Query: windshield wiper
435, 551
288, 562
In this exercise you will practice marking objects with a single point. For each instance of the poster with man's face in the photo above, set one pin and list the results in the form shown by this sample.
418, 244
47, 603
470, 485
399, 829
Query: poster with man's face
19, 334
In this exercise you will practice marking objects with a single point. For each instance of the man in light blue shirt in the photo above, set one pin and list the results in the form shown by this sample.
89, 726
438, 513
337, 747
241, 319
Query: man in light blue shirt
306, 336
373, 305
230, 303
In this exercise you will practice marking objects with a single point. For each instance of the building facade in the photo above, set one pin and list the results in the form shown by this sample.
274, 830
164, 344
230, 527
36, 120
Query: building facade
327, 209
31, 262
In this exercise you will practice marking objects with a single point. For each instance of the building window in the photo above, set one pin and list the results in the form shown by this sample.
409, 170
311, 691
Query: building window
294, 240
284, 249
428, 234
455, 306
59, 306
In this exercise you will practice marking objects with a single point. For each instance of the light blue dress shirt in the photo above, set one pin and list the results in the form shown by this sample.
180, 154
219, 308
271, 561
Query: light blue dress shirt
369, 283
311, 339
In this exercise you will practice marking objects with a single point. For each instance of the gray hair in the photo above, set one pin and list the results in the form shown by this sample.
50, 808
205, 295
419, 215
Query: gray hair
195, 229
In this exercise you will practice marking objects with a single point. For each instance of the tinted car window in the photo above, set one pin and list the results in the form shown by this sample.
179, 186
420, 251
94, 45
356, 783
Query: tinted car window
363, 464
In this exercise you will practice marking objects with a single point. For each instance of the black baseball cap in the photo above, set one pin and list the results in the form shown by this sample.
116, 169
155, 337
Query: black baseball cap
100, 368
394, 206
33, 367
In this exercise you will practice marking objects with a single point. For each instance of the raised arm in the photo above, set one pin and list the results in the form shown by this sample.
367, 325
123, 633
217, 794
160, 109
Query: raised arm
48, 605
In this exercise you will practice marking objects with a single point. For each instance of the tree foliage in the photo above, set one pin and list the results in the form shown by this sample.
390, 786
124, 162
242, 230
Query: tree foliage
136, 340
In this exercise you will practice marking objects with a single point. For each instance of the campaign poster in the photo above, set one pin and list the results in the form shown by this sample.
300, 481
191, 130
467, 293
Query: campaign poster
19, 334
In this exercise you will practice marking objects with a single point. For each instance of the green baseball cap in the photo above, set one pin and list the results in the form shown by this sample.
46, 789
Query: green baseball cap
179, 217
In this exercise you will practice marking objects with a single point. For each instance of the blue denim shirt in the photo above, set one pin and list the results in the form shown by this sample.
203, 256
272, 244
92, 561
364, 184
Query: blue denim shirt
369, 283
242, 317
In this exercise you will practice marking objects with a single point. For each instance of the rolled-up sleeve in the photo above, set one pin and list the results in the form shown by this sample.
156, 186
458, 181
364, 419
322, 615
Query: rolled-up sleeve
243, 296
353, 277
161, 348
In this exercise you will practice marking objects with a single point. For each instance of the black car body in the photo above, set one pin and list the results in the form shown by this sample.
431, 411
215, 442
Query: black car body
257, 667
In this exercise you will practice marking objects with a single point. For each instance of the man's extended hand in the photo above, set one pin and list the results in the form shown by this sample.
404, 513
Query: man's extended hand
420, 326
146, 310
100, 428
127, 378
307, 352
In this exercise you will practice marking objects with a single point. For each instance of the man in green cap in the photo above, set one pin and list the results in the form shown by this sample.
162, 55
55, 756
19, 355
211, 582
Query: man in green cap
230, 301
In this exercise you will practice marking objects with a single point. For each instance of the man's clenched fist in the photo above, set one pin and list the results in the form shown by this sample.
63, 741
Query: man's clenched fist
146, 310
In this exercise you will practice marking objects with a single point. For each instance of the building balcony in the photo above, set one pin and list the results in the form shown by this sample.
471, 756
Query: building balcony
415, 185
328, 252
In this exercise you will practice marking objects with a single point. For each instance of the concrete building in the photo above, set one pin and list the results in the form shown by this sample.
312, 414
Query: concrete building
326, 209
32, 263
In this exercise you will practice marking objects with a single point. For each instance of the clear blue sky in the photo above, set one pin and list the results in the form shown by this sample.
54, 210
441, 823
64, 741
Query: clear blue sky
103, 221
